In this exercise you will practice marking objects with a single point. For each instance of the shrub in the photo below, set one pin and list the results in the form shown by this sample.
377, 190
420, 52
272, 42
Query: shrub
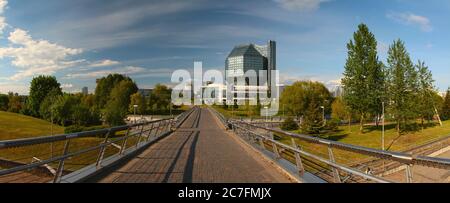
289, 124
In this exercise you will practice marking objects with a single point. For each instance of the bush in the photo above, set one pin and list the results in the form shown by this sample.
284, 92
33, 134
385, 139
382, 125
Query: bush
289, 124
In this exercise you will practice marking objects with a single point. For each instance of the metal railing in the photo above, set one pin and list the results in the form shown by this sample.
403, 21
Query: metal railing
248, 129
135, 138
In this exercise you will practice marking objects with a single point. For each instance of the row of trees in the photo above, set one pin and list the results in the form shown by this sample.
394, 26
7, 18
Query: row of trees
405, 88
114, 98
11, 102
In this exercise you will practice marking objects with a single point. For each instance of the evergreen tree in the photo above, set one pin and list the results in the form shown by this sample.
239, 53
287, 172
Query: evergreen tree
426, 106
403, 85
364, 76
446, 106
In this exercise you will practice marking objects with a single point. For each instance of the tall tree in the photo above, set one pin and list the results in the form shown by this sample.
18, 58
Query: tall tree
297, 98
117, 107
426, 105
40, 87
160, 99
139, 100
105, 86
403, 85
446, 106
364, 76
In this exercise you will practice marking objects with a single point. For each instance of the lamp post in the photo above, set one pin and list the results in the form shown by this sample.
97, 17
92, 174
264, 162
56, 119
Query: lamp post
382, 133
135, 107
323, 113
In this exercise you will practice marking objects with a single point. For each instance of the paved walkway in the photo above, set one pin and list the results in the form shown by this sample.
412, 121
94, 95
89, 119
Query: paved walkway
201, 151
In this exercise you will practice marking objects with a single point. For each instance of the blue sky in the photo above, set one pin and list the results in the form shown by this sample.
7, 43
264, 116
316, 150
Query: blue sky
79, 41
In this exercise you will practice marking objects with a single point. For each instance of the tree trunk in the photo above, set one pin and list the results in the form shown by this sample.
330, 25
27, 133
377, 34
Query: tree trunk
377, 121
398, 127
350, 123
361, 124
422, 120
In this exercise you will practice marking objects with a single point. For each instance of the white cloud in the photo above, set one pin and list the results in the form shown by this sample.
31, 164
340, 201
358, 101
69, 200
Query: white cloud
104, 63
300, 5
13, 87
67, 86
129, 70
34, 57
412, 19
3, 24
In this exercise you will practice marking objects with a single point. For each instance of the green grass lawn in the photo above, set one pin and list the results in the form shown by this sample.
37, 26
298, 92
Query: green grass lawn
371, 138
16, 126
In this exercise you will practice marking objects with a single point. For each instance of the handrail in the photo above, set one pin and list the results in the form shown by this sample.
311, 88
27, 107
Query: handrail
306, 154
395, 156
55, 138
163, 127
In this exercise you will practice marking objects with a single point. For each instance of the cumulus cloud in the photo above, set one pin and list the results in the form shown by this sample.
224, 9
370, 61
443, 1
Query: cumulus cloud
300, 5
33, 57
412, 19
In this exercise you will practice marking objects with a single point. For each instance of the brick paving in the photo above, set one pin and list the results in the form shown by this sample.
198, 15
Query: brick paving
201, 151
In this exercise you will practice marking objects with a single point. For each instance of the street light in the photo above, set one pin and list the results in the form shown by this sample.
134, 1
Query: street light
135, 107
323, 113
382, 134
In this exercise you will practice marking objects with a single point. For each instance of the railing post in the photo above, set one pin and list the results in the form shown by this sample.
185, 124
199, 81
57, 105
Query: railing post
102, 150
124, 144
335, 171
298, 159
150, 132
157, 128
140, 136
261, 142
60, 169
409, 175
274, 146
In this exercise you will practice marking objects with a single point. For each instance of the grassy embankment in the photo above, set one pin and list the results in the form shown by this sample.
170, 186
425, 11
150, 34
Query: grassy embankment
16, 126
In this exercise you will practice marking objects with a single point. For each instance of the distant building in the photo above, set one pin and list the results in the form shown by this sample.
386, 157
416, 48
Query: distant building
251, 57
85, 91
145, 92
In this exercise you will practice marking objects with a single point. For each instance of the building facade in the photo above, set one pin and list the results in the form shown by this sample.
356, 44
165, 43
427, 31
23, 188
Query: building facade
248, 57
85, 91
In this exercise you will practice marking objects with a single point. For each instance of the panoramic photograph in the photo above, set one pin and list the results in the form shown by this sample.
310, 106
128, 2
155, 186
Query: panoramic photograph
230, 92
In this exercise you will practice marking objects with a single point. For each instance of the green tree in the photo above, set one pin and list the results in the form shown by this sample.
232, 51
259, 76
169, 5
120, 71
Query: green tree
426, 102
446, 106
15, 102
4, 100
46, 109
63, 109
297, 98
139, 100
117, 107
341, 111
313, 121
160, 99
40, 87
105, 86
403, 84
364, 76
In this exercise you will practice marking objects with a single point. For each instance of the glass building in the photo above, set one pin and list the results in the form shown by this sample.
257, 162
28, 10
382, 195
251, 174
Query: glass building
251, 57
